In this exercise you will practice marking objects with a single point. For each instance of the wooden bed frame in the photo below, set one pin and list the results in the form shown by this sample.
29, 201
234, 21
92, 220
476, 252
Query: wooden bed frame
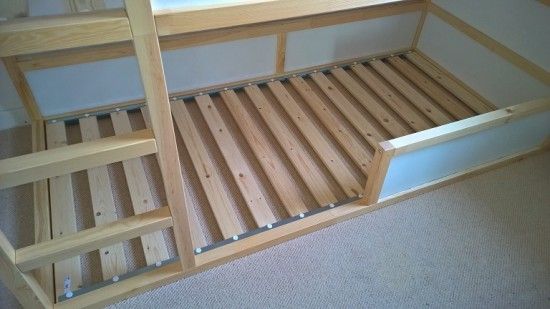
37, 43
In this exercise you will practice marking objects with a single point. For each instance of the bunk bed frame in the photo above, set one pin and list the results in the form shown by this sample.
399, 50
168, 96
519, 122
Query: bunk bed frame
37, 43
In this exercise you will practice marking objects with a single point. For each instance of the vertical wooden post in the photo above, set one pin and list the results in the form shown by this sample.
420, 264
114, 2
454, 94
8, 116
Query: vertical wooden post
24, 286
149, 58
23, 89
281, 53
42, 220
382, 157
421, 22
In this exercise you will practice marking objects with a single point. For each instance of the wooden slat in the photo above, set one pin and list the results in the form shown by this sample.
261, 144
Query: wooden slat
352, 114
197, 236
242, 174
210, 179
370, 104
470, 99
281, 53
361, 156
294, 150
23, 286
448, 102
22, 87
62, 213
147, 49
271, 164
431, 110
153, 244
92, 239
53, 162
415, 120
39, 34
113, 259
42, 219
326, 153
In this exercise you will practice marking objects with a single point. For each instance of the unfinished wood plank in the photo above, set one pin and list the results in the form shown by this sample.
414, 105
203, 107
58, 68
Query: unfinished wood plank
448, 102
210, 179
44, 253
382, 158
42, 219
431, 110
370, 104
271, 164
22, 87
113, 259
153, 244
361, 156
59, 161
352, 114
310, 173
197, 236
415, 120
242, 174
147, 49
479, 105
281, 53
326, 153
63, 214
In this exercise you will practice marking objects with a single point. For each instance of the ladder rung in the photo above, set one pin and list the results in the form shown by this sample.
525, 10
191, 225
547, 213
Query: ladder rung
64, 247
64, 160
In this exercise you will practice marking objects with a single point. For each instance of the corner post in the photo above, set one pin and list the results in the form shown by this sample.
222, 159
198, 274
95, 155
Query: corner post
380, 163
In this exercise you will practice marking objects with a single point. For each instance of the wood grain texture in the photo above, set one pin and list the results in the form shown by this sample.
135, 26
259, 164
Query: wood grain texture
63, 213
210, 179
22, 87
149, 59
281, 53
271, 164
241, 172
153, 244
310, 173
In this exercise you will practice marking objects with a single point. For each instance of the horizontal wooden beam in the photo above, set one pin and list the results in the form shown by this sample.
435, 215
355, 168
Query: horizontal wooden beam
64, 160
40, 34
493, 45
467, 126
124, 49
64, 247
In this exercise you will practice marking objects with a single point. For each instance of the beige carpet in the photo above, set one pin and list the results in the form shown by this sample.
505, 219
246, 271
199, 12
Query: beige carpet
483, 242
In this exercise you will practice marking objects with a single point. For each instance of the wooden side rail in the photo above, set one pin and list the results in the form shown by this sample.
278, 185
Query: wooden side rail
64, 160
389, 149
64, 247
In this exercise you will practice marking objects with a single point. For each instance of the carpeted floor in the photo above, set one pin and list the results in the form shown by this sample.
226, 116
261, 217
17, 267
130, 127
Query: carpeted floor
483, 242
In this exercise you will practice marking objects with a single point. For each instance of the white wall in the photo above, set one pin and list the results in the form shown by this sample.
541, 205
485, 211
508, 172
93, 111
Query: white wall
424, 165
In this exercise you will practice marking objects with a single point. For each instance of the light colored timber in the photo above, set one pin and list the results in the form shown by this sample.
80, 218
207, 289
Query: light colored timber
308, 170
173, 272
112, 257
352, 114
242, 174
370, 103
196, 233
287, 192
149, 59
467, 126
361, 156
39, 34
414, 119
22, 87
431, 110
59, 161
123, 49
420, 25
446, 100
63, 214
281, 53
23, 286
382, 158
210, 179
493, 45
466, 95
42, 219
153, 244
322, 148
91, 239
